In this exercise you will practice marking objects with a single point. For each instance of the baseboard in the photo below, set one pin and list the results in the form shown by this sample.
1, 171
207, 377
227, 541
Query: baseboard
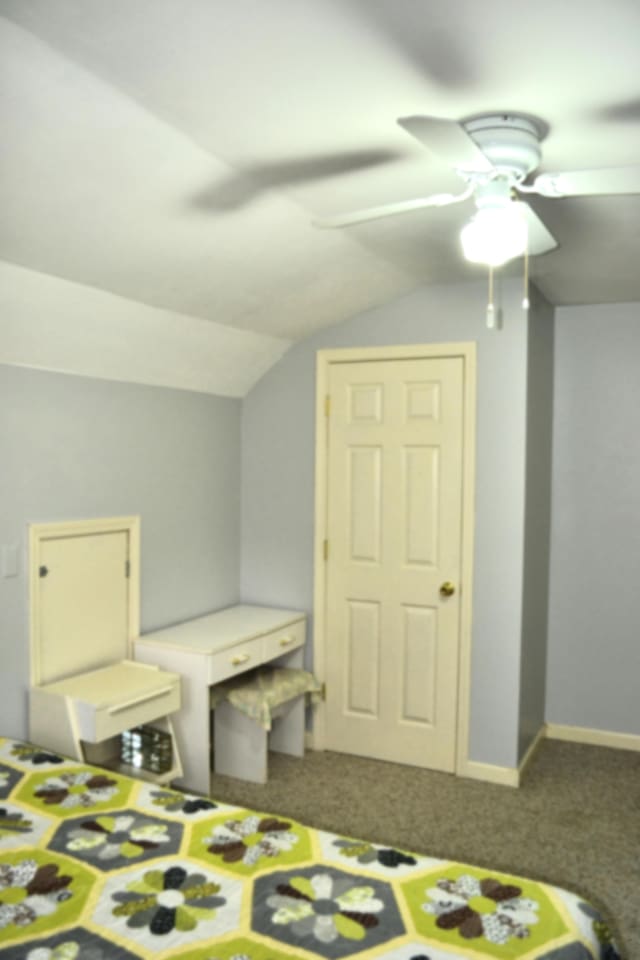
506, 776
595, 738
490, 773
474, 769
512, 776
533, 746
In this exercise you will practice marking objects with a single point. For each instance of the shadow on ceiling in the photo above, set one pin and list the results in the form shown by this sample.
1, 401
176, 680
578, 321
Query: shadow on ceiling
444, 56
626, 112
244, 185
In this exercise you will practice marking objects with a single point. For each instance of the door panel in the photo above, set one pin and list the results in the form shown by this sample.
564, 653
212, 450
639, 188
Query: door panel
83, 603
365, 496
421, 470
362, 658
365, 403
419, 665
394, 529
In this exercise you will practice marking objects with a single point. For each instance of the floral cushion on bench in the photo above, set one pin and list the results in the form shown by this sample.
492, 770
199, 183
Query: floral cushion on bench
259, 692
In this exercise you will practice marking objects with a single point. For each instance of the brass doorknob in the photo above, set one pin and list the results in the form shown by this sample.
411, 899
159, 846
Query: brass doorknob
447, 589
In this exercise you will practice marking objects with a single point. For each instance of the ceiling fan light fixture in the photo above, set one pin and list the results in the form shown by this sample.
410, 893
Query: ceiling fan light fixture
494, 235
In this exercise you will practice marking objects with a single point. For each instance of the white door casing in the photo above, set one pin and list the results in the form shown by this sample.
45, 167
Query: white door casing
394, 502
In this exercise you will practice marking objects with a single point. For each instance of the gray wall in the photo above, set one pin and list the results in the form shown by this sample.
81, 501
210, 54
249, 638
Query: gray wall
539, 427
278, 483
73, 448
593, 675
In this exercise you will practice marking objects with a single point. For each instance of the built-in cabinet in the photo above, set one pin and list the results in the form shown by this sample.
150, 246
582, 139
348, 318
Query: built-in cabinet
86, 690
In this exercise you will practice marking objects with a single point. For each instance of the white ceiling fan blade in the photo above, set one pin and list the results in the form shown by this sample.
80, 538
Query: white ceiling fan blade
540, 240
391, 209
450, 141
582, 183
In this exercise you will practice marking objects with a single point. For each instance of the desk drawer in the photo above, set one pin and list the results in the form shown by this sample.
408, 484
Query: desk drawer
283, 641
99, 723
235, 660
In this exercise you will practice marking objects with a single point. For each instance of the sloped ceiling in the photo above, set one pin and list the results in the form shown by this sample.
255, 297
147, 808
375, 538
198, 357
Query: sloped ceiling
175, 152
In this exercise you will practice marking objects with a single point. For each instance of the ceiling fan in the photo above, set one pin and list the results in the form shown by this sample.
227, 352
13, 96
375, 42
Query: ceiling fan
494, 155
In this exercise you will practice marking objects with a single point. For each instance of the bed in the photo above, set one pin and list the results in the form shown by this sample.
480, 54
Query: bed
95, 865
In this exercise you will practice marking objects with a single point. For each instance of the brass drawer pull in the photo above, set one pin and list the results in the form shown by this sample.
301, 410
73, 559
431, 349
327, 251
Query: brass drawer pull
240, 658
286, 641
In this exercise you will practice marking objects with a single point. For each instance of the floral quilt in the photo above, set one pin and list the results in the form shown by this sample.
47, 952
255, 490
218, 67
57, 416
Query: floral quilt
97, 866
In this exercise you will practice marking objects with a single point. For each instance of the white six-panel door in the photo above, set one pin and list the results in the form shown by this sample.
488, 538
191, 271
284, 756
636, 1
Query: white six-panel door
394, 506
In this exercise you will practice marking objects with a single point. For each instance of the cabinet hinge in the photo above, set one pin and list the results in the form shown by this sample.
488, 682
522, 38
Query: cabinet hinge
127, 568
327, 405
325, 550
323, 691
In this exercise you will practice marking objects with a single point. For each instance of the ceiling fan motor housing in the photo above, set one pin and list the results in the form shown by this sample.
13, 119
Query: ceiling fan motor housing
510, 141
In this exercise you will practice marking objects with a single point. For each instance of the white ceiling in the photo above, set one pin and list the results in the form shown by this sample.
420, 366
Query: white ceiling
174, 152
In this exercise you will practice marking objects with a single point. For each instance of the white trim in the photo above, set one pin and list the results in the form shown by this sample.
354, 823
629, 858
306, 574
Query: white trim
467, 547
596, 738
318, 733
505, 776
467, 351
39, 532
512, 776
533, 746
490, 773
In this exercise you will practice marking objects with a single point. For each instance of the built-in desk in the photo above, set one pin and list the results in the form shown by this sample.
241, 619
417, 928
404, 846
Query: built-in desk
86, 691
208, 650
83, 715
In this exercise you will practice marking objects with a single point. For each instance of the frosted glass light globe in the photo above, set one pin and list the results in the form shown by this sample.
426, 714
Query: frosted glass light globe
494, 235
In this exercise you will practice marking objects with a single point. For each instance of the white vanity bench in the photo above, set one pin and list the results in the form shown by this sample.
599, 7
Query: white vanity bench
213, 648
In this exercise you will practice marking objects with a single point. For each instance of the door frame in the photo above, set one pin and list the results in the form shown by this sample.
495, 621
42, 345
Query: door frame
324, 359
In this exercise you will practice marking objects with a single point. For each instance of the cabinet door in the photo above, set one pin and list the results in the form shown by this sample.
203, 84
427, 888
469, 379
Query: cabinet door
81, 603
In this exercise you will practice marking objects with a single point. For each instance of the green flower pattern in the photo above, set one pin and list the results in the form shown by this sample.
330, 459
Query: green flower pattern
325, 907
13, 821
175, 802
166, 900
248, 840
35, 891
369, 853
84, 789
481, 908
120, 836
28, 754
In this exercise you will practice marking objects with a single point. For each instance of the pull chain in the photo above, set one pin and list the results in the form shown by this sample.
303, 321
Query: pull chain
492, 316
525, 298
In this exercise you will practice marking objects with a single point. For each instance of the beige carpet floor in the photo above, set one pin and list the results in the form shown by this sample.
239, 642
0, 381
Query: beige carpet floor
574, 822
